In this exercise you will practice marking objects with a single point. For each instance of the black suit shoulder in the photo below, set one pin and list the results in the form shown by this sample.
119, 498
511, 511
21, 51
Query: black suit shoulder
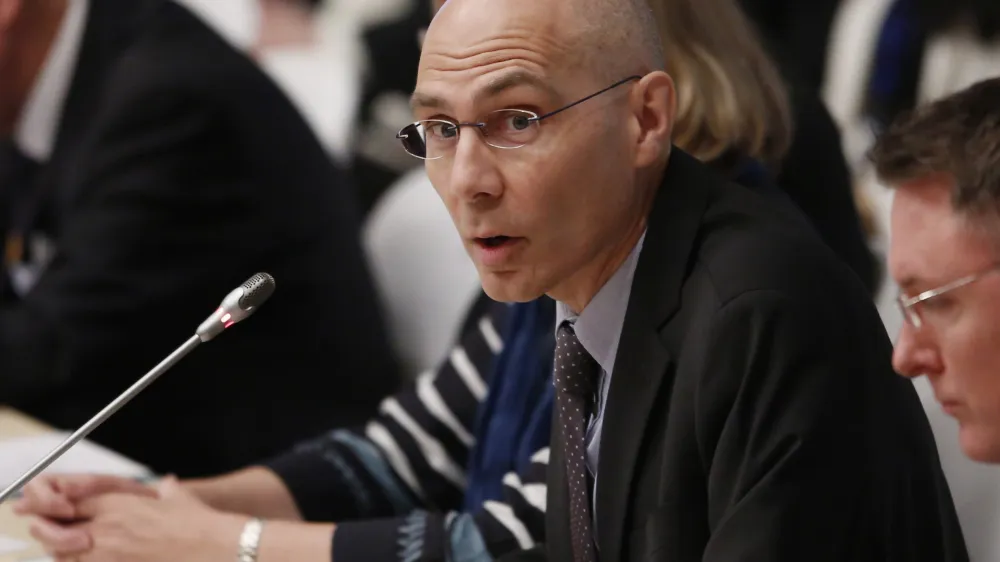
180, 67
753, 242
782, 389
753, 406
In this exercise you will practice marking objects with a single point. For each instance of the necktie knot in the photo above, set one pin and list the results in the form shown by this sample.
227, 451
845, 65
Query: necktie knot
576, 371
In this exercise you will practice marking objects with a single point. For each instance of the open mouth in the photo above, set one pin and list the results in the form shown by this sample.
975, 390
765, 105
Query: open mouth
493, 241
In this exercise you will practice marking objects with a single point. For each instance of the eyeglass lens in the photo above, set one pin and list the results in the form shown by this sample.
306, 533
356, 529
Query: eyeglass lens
506, 128
910, 314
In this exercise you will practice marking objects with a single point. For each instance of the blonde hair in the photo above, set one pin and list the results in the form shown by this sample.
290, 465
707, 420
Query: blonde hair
731, 101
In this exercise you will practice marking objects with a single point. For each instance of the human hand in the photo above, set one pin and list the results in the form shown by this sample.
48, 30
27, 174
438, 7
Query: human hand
120, 527
55, 496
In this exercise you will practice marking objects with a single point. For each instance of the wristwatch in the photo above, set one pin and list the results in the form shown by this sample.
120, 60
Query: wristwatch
250, 540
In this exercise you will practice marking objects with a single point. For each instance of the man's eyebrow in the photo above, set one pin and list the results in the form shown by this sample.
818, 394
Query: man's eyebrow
909, 284
422, 100
493, 88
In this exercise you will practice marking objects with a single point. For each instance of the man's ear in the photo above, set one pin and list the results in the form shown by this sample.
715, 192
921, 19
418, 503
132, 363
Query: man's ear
654, 105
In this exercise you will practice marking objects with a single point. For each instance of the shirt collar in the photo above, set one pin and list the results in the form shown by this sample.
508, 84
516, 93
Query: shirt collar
599, 326
35, 133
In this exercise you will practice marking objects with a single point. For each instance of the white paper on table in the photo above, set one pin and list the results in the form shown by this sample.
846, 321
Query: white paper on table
9, 545
20, 454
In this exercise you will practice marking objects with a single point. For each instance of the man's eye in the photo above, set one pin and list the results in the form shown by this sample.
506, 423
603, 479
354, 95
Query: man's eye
442, 130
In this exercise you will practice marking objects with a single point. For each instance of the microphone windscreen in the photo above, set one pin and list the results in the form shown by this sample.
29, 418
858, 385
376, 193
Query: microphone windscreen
256, 291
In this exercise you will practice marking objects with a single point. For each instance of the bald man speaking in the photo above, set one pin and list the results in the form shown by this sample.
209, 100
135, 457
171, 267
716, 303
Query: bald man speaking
724, 386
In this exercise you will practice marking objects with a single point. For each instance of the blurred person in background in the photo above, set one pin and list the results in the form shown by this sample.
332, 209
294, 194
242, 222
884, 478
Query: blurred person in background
151, 169
349, 67
882, 59
943, 162
796, 34
885, 57
313, 49
737, 114
456, 464
390, 31
816, 38
871, 60
286, 23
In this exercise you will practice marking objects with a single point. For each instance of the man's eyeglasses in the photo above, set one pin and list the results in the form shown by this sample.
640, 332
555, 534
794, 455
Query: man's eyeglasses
431, 139
908, 305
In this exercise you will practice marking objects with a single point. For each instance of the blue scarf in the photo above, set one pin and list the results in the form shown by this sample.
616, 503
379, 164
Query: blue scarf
515, 418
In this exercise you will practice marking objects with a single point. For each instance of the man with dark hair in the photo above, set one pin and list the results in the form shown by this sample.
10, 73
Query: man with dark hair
943, 160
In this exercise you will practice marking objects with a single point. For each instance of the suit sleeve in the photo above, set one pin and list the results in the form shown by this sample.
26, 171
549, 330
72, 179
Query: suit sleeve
147, 187
781, 420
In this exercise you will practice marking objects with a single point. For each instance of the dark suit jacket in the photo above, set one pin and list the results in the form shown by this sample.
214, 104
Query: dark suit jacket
180, 170
753, 413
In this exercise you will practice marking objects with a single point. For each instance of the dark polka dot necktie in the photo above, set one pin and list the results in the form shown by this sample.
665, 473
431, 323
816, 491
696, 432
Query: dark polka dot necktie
575, 376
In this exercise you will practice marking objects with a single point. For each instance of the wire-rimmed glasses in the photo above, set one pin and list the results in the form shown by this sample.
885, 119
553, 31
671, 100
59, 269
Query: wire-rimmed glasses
908, 305
430, 139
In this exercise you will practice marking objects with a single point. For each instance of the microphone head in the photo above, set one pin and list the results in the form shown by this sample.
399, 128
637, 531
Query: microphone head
238, 305
256, 291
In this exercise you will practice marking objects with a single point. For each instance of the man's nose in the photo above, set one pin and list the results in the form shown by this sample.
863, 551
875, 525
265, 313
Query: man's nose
475, 174
914, 355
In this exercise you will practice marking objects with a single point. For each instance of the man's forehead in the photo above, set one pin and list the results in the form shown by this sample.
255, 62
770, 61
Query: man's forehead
463, 27
931, 243
430, 93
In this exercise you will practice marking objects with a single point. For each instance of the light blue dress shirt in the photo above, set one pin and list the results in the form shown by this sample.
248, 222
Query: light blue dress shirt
599, 328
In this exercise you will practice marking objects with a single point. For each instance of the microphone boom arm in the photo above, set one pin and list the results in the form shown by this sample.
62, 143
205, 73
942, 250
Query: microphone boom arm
102, 416
239, 304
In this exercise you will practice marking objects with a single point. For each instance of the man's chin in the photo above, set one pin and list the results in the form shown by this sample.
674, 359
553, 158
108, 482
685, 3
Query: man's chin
979, 444
508, 287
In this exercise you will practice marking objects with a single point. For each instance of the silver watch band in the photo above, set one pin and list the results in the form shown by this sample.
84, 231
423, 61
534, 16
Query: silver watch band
250, 540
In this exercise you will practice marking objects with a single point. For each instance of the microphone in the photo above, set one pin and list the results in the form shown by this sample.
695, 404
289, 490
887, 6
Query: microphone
238, 305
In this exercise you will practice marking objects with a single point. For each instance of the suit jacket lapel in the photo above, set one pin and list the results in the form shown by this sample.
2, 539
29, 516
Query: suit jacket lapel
643, 360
